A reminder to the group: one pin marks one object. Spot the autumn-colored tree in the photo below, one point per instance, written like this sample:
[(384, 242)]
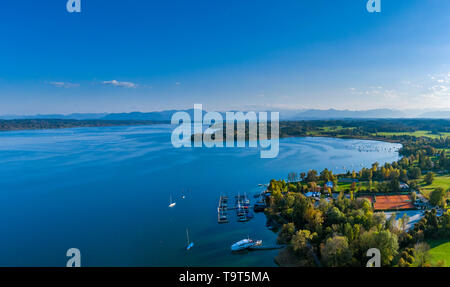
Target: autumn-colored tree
[(336, 252), (429, 178)]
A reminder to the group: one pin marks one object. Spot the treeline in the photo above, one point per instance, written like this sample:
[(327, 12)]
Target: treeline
[(411, 145), (32, 124), (366, 129), (363, 128)]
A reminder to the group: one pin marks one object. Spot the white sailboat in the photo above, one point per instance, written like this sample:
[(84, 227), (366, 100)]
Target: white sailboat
[(171, 204), (189, 244)]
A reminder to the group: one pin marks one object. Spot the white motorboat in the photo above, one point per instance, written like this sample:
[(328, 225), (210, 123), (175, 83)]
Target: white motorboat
[(245, 244)]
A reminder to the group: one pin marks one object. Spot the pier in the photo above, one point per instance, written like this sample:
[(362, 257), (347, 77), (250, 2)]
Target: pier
[(241, 207), (222, 210), (267, 247)]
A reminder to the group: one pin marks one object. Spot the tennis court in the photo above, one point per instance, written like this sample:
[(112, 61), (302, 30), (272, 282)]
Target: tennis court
[(391, 202)]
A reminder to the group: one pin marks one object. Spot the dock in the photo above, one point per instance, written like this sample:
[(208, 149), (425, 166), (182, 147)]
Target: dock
[(222, 210), (241, 207), (267, 247)]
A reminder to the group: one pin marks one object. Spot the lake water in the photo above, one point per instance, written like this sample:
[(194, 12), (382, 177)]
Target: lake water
[(106, 192)]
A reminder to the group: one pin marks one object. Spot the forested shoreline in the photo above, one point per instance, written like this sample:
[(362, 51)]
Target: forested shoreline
[(40, 124)]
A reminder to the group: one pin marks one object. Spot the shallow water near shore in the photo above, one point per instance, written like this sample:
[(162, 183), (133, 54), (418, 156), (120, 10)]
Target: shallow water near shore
[(106, 192)]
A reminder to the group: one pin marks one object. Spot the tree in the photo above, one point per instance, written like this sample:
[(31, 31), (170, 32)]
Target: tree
[(404, 221), (312, 176), (422, 255), (335, 216), (336, 252), (437, 196), (394, 185), (384, 240), (302, 176), (314, 219), (326, 175), (429, 178), (300, 241), (413, 196), (413, 185), (414, 173), (406, 258), (425, 163), (379, 219), (313, 186), (286, 233), (353, 186)]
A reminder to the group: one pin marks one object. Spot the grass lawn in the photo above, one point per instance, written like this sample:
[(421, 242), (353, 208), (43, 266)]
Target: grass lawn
[(342, 186), (439, 181), (415, 134), (440, 251)]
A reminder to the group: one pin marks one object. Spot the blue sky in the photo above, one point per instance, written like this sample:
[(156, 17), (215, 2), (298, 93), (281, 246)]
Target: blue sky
[(134, 55)]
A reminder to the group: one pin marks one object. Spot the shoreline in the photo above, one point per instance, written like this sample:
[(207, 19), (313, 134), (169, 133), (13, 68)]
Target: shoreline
[(56, 124)]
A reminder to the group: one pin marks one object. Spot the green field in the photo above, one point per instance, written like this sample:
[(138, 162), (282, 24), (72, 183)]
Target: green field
[(415, 134), (342, 186), (440, 251), (439, 181)]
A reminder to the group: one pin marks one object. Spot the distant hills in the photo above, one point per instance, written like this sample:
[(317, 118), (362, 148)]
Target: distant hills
[(150, 116), (310, 114), (345, 114), (78, 116), (436, 115)]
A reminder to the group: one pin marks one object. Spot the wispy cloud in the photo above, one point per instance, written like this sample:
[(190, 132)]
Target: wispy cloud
[(438, 93), (116, 83), (64, 84)]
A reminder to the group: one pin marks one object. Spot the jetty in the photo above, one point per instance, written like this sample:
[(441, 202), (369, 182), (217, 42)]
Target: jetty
[(222, 210), (241, 207), (267, 247)]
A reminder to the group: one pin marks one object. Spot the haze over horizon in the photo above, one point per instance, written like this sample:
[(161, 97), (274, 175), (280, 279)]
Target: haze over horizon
[(140, 56)]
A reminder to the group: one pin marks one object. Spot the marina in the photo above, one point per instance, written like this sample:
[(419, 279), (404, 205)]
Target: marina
[(242, 209)]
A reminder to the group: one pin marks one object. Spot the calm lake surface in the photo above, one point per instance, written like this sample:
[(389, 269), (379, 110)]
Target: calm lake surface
[(106, 192)]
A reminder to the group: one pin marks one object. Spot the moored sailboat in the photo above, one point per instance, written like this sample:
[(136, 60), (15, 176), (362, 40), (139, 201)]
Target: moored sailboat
[(171, 204), (189, 244)]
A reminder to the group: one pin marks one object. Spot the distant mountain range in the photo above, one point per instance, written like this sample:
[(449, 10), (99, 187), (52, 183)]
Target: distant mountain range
[(346, 114), (150, 116), (311, 114), (436, 115), (78, 116)]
